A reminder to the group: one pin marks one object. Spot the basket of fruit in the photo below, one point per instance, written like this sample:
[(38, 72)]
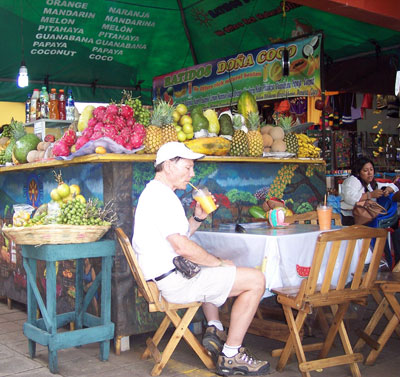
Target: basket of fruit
[(68, 218), (55, 234)]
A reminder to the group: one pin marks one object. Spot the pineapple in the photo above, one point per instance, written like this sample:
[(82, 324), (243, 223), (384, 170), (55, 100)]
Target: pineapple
[(254, 136), (168, 130), (292, 144), (240, 143), (153, 140)]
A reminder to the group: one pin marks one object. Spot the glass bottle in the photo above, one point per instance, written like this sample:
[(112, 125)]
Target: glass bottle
[(44, 103), (34, 102), (28, 109), (70, 106), (53, 105)]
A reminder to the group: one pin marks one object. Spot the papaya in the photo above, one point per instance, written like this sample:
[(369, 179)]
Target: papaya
[(87, 114), (225, 123), (298, 66), (247, 103), (211, 146), (213, 122)]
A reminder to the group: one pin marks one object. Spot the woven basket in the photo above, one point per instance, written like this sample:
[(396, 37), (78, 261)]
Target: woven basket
[(55, 234)]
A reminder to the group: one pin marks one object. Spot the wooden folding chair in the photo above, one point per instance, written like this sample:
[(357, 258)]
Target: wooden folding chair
[(311, 217), (310, 295), (157, 303), (387, 283)]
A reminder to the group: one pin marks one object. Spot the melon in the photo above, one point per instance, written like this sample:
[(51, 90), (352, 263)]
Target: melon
[(266, 129), (278, 146), (277, 133), (267, 140), (24, 145)]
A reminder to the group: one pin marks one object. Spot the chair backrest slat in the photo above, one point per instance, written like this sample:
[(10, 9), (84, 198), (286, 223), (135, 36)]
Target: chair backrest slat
[(344, 272), (330, 243), (134, 265)]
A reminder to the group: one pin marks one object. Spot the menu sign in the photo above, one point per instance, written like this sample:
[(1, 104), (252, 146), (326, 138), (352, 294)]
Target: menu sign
[(219, 82)]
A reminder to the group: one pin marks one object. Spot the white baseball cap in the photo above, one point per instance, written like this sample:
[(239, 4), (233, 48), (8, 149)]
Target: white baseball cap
[(174, 149)]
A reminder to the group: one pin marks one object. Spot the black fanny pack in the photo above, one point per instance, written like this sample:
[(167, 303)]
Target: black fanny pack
[(187, 268)]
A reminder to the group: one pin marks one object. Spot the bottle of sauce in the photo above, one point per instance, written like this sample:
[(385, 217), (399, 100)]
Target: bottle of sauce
[(34, 102), (53, 105), (28, 109), (61, 104)]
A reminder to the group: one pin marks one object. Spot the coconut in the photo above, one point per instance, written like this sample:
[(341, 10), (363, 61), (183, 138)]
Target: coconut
[(32, 155), (277, 133), (278, 146), (267, 149), (267, 140), (265, 129)]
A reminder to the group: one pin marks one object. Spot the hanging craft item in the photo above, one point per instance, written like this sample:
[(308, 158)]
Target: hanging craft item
[(366, 103), (283, 107), (285, 62), (393, 105), (355, 111)]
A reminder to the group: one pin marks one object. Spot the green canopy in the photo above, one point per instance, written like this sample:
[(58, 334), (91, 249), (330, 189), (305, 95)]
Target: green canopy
[(99, 47)]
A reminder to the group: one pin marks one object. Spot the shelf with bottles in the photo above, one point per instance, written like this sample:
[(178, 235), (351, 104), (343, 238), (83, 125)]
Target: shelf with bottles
[(41, 126)]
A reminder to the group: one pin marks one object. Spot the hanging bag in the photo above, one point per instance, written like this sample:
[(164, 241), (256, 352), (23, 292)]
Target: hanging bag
[(367, 210)]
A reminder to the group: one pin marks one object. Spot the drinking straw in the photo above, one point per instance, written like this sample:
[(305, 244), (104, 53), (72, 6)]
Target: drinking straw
[(325, 200), (194, 186)]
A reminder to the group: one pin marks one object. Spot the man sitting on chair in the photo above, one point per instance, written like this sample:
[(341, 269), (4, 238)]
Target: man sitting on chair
[(162, 232)]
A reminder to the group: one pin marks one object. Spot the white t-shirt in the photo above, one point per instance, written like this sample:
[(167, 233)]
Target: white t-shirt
[(352, 189), (159, 213)]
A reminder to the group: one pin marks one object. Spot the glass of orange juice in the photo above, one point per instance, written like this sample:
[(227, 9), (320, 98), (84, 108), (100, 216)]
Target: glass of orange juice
[(204, 197), (324, 216)]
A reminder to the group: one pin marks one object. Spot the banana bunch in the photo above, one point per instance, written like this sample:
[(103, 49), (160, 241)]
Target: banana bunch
[(307, 147)]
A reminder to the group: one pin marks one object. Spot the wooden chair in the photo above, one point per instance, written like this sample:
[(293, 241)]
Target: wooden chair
[(158, 304), (387, 283), (310, 295), (311, 217)]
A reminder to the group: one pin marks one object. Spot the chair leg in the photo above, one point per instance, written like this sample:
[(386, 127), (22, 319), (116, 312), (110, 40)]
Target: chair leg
[(388, 313), (157, 337), (293, 340), (376, 317)]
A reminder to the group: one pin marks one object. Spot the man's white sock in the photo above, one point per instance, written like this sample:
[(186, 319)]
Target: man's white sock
[(230, 351), (217, 324)]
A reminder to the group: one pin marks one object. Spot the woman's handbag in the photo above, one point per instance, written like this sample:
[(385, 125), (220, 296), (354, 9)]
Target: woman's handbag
[(367, 210), (187, 268)]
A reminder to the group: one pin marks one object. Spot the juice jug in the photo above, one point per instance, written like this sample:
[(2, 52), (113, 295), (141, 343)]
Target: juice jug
[(61, 104), (53, 105)]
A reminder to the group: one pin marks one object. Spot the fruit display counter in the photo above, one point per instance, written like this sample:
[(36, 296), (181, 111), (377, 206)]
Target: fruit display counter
[(238, 183)]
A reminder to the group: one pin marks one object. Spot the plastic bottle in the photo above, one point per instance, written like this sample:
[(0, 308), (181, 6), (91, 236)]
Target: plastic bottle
[(53, 105), (61, 104), (70, 107), (44, 103), (28, 109), (34, 102)]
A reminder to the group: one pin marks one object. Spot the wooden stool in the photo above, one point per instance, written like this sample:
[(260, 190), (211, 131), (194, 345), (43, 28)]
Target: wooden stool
[(89, 328)]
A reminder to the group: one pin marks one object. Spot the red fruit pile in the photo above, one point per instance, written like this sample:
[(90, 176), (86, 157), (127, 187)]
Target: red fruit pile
[(63, 146), (115, 122)]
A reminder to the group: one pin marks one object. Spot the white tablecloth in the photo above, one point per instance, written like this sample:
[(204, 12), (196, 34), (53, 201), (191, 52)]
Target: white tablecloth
[(284, 255)]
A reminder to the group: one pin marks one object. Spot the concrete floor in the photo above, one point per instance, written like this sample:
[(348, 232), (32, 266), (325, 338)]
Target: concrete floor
[(83, 361)]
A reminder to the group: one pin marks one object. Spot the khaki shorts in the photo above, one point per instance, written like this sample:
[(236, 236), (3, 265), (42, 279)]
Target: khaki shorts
[(211, 284)]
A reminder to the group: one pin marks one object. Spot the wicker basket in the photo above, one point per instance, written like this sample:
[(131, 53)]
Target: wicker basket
[(55, 234)]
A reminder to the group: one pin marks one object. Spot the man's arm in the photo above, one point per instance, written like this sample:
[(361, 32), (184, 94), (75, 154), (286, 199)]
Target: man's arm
[(194, 252)]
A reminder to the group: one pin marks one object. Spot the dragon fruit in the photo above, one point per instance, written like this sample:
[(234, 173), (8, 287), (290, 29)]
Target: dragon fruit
[(88, 132), (96, 135), (119, 123), (140, 129), (99, 113), (126, 112), (99, 127), (109, 118), (69, 137), (112, 110), (136, 141), (110, 132), (60, 148), (82, 140), (130, 122), (91, 123)]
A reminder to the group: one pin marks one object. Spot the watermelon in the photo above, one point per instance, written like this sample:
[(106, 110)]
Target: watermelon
[(24, 145)]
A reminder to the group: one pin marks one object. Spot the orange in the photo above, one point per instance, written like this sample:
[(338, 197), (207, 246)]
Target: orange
[(100, 150)]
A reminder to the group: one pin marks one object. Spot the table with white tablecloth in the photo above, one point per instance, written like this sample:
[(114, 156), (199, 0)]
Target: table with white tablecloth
[(283, 254)]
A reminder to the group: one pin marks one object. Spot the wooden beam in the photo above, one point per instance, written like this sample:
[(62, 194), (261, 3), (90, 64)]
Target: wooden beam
[(383, 13)]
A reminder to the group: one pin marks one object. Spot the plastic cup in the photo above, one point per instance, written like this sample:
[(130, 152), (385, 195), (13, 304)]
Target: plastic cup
[(324, 217), (204, 197)]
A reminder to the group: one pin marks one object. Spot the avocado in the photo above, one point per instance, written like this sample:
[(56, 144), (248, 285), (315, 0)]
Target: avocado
[(225, 122), (199, 122), (198, 109), (24, 145)]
